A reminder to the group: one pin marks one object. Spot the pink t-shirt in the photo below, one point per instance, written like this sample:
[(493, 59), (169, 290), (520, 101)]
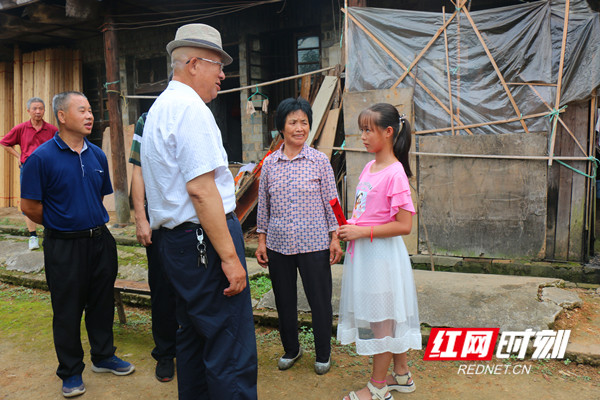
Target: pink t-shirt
[(380, 195)]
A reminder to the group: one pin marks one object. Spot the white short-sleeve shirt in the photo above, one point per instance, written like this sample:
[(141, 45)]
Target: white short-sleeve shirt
[(181, 141)]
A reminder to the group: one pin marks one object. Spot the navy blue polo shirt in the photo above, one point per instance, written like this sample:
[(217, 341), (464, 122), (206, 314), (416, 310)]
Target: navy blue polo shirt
[(69, 185)]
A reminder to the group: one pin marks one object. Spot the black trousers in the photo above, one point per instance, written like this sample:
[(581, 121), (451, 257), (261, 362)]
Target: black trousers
[(315, 272), (81, 276), (216, 344), (164, 321)]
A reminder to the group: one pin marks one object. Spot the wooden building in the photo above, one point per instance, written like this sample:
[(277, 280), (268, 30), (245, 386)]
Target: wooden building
[(511, 207)]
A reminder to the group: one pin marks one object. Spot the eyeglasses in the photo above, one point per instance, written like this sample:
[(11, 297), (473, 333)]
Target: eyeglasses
[(220, 64)]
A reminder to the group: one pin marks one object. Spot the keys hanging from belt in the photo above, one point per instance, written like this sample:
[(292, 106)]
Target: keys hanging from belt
[(201, 246)]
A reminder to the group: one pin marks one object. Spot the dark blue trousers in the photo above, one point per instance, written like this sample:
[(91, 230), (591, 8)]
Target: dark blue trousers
[(315, 273), (216, 344), (81, 276), (164, 321)]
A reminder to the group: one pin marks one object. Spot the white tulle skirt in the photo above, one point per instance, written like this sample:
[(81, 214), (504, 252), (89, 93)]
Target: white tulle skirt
[(378, 304)]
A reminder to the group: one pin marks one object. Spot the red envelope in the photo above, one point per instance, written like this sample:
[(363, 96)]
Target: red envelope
[(337, 211)]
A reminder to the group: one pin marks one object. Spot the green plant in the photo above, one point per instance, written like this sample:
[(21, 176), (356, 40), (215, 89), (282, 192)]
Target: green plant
[(307, 339), (259, 286)]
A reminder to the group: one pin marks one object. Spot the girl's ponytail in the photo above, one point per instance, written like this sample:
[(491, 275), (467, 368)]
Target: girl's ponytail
[(402, 142)]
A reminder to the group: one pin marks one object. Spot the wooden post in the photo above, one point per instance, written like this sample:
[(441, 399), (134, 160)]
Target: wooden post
[(116, 124)]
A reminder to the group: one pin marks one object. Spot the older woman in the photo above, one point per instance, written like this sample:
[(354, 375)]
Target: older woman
[(296, 231)]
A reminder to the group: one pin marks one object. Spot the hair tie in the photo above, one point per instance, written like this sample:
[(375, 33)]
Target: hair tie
[(402, 118)]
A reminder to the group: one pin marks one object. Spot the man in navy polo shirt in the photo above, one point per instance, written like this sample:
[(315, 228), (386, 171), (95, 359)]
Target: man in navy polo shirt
[(64, 182)]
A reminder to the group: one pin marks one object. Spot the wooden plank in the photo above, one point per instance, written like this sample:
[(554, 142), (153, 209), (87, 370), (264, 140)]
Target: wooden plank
[(353, 104), (18, 86), (329, 130), (5, 126), (577, 229), (48, 81), (16, 111), (28, 82), (321, 106), (477, 207), (565, 147), (39, 81)]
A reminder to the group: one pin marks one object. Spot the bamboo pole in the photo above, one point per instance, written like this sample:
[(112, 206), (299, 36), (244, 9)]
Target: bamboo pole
[(448, 71), (249, 86), (505, 121), (401, 64), (487, 51), (530, 83), (561, 122), (457, 64), (559, 82), (591, 186), (485, 156), (433, 39), (501, 157), (345, 54)]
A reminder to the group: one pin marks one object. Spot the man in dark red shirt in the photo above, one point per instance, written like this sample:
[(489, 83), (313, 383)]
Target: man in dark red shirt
[(29, 135)]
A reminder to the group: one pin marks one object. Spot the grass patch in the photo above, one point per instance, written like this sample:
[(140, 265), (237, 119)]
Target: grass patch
[(259, 286), (130, 255)]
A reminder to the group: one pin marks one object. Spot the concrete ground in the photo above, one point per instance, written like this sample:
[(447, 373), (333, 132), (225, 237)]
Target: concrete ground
[(446, 299)]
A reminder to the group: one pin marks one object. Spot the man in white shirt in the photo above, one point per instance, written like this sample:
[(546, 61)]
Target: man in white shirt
[(191, 198)]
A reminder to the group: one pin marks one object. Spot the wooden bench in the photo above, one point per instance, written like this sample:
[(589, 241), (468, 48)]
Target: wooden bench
[(125, 286)]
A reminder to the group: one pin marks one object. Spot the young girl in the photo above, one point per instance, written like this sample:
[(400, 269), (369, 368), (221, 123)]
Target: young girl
[(378, 306)]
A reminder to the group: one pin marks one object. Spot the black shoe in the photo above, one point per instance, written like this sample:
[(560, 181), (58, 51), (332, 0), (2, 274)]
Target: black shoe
[(165, 370)]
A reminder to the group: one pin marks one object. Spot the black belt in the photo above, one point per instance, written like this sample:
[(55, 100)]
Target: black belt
[(86, 233), (193, 225)]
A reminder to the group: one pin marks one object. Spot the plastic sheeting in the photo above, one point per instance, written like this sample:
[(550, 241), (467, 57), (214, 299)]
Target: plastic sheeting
[(524, 40)]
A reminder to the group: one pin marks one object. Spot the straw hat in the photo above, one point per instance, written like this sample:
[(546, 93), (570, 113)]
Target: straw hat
[(199, 35)]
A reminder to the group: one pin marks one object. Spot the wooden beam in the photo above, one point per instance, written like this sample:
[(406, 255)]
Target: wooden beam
[(116, 124)]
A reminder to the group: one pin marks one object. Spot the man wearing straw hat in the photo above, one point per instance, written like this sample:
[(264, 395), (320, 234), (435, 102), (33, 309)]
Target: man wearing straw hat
[(191, 199)]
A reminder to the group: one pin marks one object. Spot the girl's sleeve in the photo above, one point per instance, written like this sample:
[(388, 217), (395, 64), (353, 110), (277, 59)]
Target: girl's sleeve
[(399, 194)]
